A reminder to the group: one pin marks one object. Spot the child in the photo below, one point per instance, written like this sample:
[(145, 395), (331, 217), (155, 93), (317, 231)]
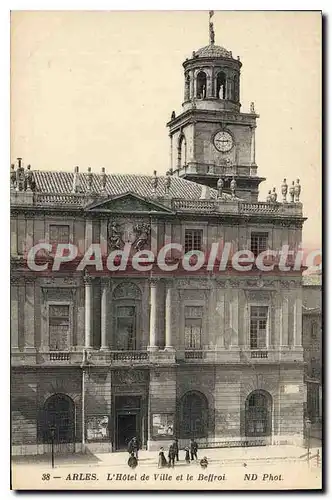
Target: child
[(162, 462), (132, 460)]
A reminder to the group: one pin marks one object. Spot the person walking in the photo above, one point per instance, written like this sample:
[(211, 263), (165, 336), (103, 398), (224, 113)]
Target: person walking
[(162, 462), (133, 447), (193, 449), (171, 456), (176, 448), (187, 457)]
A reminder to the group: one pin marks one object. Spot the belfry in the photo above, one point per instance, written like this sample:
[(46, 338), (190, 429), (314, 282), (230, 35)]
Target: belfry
[(212, 138)]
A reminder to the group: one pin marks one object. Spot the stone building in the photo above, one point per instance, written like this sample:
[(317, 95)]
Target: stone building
[(99, 356), (312, 346)]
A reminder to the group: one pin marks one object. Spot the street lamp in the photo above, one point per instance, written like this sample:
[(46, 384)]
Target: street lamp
[(308, 432), (52, 430)]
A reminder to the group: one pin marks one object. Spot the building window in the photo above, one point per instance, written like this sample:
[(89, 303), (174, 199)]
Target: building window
[(315, 369), (59, 327), (258, 243), (314, 330), (193, 327), (193, 415), (59, 233), (258, 414), (258, 326), (193, 240), (125, 328)]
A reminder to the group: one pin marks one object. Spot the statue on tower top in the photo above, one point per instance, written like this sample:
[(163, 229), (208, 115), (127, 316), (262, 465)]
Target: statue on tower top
[(211, 29)]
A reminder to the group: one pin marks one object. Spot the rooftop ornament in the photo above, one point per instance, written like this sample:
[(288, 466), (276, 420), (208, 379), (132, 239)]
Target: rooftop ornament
[(220, 185), (21, 180), (211, 28), (297, 191), (233, 187), (89, 180), (103, 181), (154, 182), (284, 191)]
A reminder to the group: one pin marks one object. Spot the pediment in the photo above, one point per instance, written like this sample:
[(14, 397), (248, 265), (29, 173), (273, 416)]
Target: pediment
[(128, 203)]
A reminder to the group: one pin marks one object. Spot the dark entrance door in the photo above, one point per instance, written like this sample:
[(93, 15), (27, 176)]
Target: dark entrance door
[(59, 414), (128, 420), (127, 429)]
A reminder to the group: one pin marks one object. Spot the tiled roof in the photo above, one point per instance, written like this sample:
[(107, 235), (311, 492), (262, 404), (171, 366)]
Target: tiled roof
[(213, 51), (312, 280), (62, 183)]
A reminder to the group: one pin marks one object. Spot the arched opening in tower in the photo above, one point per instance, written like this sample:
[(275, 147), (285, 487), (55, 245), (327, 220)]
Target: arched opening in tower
[(201, 85), (221, 85), (182, 152)]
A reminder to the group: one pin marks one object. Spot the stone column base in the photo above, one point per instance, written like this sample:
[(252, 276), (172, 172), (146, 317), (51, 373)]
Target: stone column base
[(152, 348)]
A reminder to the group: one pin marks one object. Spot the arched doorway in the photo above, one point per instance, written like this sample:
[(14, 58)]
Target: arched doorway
[(193, 415), (258, 413), (221, 86), (201, 85), (59, 416)]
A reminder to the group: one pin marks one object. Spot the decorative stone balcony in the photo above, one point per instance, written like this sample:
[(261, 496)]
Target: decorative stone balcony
[(213, 170), (92, 358), (233, 355), (239, 355), (238, 207), (129, 356)]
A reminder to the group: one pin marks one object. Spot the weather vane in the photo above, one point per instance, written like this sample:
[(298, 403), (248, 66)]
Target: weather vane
[(211, 29)]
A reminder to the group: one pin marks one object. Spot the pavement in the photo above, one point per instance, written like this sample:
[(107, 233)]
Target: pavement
[(229, 469), (221, 456)]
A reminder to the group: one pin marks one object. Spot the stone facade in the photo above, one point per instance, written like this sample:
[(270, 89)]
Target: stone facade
[(99, 356), (312, 348)]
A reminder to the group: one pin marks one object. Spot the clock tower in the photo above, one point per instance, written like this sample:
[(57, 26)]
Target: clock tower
[(211, 139)]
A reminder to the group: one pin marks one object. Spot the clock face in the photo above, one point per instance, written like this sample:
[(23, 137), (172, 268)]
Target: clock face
[(223, 141)]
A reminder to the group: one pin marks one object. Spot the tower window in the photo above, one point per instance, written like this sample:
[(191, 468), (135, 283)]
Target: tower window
[(201, 85), (182, 152), (221, 86)]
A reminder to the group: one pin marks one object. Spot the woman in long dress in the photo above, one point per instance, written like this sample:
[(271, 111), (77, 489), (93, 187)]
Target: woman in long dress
[(162, 462)]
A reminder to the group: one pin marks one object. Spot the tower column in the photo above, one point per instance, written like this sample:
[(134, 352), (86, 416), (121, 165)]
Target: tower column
[(253, 146), (192, 84), (209, 92)]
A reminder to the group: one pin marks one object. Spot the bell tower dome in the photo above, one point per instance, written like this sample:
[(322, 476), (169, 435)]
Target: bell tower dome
[(211, 139)]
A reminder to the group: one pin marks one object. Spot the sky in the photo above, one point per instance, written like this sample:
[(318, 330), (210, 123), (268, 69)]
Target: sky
[(96, 88)]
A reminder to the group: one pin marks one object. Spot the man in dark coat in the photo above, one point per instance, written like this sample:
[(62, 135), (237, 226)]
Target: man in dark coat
[(176, 449), (171, 456), (193, 449), (133, 447)]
